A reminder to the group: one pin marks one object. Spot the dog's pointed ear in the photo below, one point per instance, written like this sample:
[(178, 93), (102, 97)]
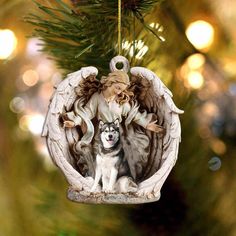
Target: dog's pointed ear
[(117, 123), (101, 123)]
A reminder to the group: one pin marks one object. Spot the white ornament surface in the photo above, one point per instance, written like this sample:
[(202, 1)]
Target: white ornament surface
[(163, 149)]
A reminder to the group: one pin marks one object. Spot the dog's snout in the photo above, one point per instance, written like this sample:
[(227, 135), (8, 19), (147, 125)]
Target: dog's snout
[(110, 136)]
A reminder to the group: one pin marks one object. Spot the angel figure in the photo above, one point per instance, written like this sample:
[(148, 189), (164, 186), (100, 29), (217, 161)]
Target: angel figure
[(132, 119), (111, 101)]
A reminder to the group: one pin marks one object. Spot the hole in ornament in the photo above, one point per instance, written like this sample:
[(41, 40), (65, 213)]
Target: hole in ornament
[(119, 65)]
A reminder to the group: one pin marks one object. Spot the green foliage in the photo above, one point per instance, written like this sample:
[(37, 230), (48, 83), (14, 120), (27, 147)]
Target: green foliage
[(87, 33)]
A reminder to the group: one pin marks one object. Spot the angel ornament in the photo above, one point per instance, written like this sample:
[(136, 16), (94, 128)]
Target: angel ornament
[(115, 139)]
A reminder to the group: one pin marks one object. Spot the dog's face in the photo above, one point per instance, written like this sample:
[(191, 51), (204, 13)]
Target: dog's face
[(109, 133)]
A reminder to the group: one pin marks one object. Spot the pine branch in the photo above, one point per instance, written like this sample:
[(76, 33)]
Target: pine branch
[(85, 33)]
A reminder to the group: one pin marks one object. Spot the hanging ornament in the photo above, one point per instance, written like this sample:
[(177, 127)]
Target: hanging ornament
[(115, 139)]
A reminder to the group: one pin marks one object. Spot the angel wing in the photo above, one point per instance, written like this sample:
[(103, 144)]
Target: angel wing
[(58, 139), (164, 151)]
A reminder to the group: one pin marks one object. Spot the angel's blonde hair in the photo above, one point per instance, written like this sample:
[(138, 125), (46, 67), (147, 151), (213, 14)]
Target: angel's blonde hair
[(115, 77), (91, 84)]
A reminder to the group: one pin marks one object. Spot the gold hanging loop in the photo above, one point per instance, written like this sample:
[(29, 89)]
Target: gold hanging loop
[(119, 27)]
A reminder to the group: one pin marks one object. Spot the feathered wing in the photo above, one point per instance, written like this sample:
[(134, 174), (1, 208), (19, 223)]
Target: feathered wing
[(58, 138), (164, 150)]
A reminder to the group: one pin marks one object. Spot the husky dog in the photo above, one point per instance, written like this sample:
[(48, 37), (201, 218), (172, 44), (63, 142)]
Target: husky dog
[(110, 162)]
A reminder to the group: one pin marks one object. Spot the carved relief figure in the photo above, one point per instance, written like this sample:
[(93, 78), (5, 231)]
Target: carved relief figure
[(111, 101), (115, 139)]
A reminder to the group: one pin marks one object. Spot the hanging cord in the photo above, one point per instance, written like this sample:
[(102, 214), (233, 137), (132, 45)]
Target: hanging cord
[(119, 27), (134, 49)]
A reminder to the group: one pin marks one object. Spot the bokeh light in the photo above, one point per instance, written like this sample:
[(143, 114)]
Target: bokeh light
[(45, 69), (162, 38), (142, 51), (35, 124), (17, 105), (32, 123), (218, 146), (23, 122), (30, 77), (192, 71), (34, 45), (140, 48), (8, 43), (45, 91), (214, 163), (204, 132), (156, 26), (210, 109), (201, 34), (195, 61), (195, 79)]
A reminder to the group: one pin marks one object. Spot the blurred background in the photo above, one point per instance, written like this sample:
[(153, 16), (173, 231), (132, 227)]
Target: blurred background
[(195, 56)]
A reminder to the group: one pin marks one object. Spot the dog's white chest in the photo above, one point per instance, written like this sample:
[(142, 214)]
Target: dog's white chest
[(107, 162)]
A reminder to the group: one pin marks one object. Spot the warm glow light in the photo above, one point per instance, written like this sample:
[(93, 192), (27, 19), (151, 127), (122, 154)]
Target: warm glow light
[(195, 61), (32, 123), (139, 44), (45, 69), (30, 77), (140, 48), (210, 109), (46, 90), (201, 34), (195, 79), (156, 26), (142, 52), (204, 132), (162, 38), (218, 146), (8, 43), (23, 122), (126, 45), (35, 124), (152, 25)]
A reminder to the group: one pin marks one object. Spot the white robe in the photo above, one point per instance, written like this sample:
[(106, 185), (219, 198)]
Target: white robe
[(136, 142), (98, 107)]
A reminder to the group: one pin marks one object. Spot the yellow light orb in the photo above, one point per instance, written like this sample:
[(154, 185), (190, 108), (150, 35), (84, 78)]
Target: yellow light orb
[(195, 61), (8, 43), (201, 34), (32, 123), (30, 77), (35, 124), (195, 79), (23, 122), (218, 146)]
